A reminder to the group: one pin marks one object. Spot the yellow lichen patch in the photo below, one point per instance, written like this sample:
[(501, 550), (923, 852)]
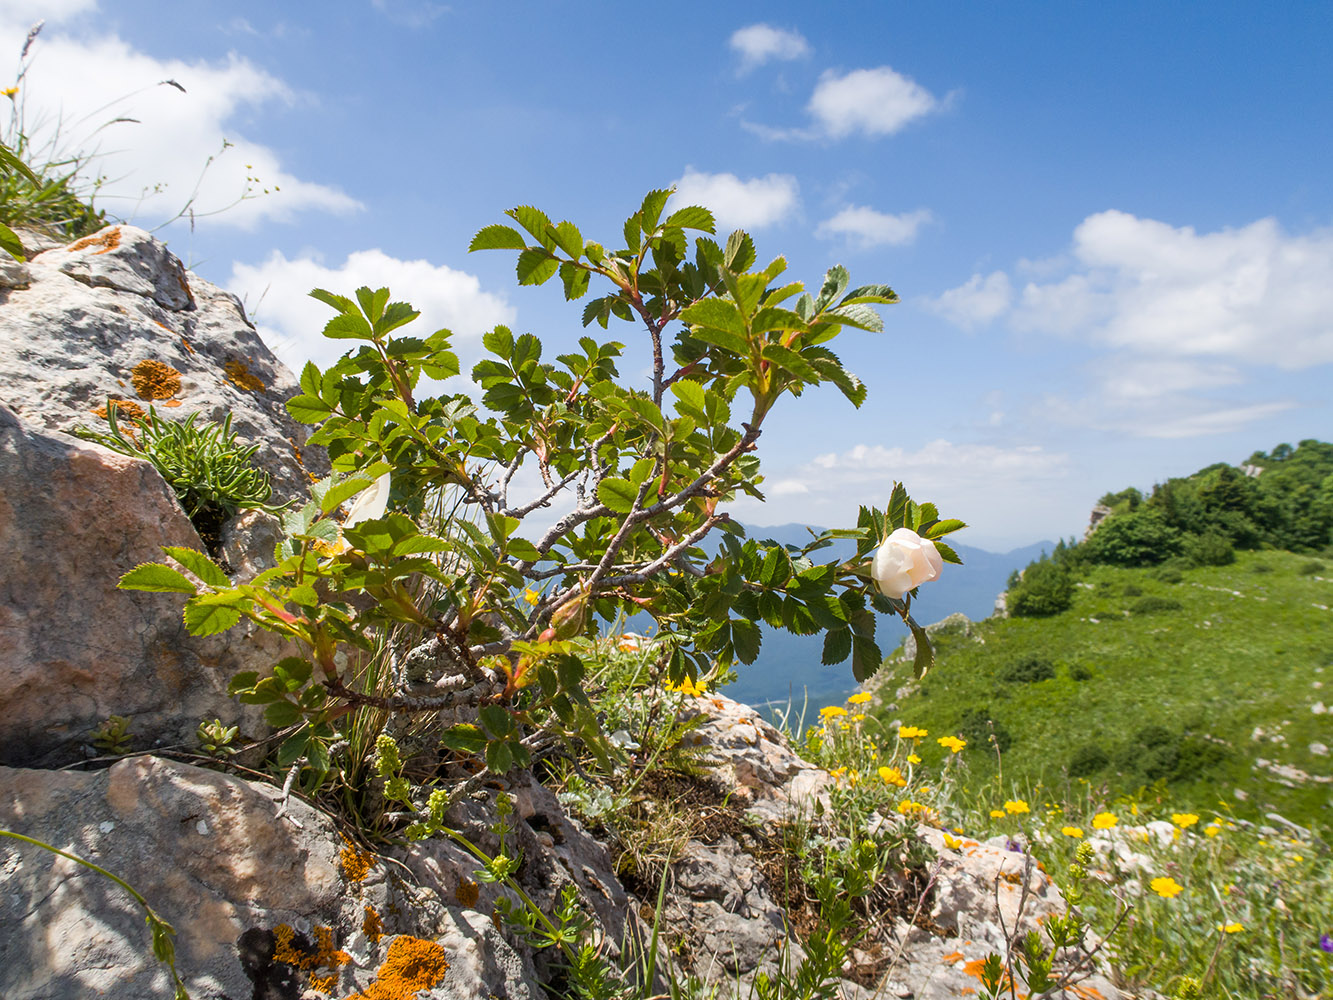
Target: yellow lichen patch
[(323, 955), (186, 344), (126, 409), (356, 864), (413, 964), (108, 240), (467, 893), (372, 926), (239, 375), (155, 380)]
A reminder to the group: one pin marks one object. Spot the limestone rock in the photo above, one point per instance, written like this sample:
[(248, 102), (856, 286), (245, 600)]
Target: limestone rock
[(74, 517), (96, 310)]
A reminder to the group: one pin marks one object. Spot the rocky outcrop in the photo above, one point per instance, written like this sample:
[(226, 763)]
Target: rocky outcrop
[(74, 517), (117, 315)]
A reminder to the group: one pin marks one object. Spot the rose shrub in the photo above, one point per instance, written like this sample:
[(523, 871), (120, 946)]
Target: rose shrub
[(904, 561)]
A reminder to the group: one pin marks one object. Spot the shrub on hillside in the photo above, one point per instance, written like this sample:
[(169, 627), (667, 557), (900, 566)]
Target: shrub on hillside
[(1212, 548), (1132, 590), (978, 727), (1080, 672), (1087, 760), (1170, 574), (1152, 604), (1310, 568), (1046, 589), (1137, 538), (1027, 670)]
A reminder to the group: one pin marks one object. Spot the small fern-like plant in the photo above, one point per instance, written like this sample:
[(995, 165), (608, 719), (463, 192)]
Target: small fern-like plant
[(211, 474)]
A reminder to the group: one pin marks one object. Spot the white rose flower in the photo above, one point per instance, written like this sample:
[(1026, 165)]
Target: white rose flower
[(905, 560), (369, 504)]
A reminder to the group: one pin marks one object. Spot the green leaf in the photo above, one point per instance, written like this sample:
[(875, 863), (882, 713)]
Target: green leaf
[(10, 160), (739, 253), (534, 220), (651, 210), (157, 578), (925, 653), (717, 314), (335, 496), (396, 315), (282, 714), (372, 303), (203, 618), (692, 397), (861, 317), (307, 409), (199, 564), (348, 326), (567, 237), (746, 638), (10, 243), (944, 527), (693, 217), (575, 279), (837, 646), (866, 658), (464, 738), (836, 279), (947, 553), (340, 302), (789, 360), (618, 494), (535, 266), (243, 681), (497, 237), (499, 757)]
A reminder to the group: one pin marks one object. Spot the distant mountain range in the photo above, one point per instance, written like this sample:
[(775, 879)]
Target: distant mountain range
[(788, 666)]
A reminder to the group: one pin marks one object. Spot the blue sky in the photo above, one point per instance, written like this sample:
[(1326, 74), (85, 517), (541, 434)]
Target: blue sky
[(1111, 225)]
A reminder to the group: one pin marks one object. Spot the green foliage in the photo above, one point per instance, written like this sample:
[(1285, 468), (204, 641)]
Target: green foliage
[(211, 474), (1046, 588), (1087, 760), (215, 739), (1153, 604), (1028, 669), (1212, 548), (1137, 538), (979, 727), (113, 737), (645, 471)]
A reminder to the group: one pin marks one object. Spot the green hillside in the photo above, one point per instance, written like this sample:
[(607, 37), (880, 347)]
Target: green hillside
[(1173, 648)]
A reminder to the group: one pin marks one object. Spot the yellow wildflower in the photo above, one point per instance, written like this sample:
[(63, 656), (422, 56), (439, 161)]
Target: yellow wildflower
[(911, 732), (1015, 806), (893, 776), (997, 814), (10, 92), (951, 743), (531, 596), (858, 717), (1212, 830), (687, 686), (831, 711), (860, 698), (1231, 928), (913, 759), (952, 843), (1184, 820), (1166, 887), (1072, 831), (1104, 821)]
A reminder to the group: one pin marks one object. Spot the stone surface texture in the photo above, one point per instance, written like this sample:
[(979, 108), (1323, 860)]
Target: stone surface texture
[(79, 318), (74, 517)]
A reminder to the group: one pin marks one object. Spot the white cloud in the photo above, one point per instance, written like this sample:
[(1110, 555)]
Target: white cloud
[(976, 302), (1254, 294), (1135, 380), (760, 43), (1218, 421), (865, 228), (941, 462), (739, 204), (153, 165), (410, 13), (875, 102), (28, 12), (276, 294)]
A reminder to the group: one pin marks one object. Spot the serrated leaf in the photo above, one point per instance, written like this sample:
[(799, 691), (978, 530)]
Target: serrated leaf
[(157, 578), (340, 302), (307, 409), (944, 527), (860, 316), (691, 396), (717, 314), (395, 315), (866, 658), (837, 646), (464, 738), (925, 653), (282, 714), (739, 253), (203, 618), (651, 209), (947, 553), (335, 496), (10, 243), (535, 221), (693, 217), (199, 564), (372, 302), (575, 279), (746, 639), (567, 237), (497, 237), (618, 494), (348, 326), (535, 266)]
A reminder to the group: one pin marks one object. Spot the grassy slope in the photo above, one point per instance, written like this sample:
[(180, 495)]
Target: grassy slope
[(1218, 668)]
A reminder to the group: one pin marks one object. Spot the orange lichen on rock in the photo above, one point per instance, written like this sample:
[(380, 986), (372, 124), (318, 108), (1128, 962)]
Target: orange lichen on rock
[(126, 409), (413, 964), (950, 958), (1086, 992), (239, 375), (974, 967), (467, 893), (155, 380), (322, 955), (186, 344), (108, 239), (372, 926), (356, 864)]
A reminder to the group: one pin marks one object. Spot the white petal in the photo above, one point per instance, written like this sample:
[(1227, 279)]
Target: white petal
[(370, 503)]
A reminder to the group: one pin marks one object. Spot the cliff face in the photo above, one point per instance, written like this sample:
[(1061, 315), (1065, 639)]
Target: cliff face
[(270, 897)]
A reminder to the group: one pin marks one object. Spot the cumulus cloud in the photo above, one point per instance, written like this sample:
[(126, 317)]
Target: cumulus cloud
[(976, 302), (865, 228), (1254, 294), (739, 204), (276, 293), (155, 165), (872, 102), (761, 43)]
